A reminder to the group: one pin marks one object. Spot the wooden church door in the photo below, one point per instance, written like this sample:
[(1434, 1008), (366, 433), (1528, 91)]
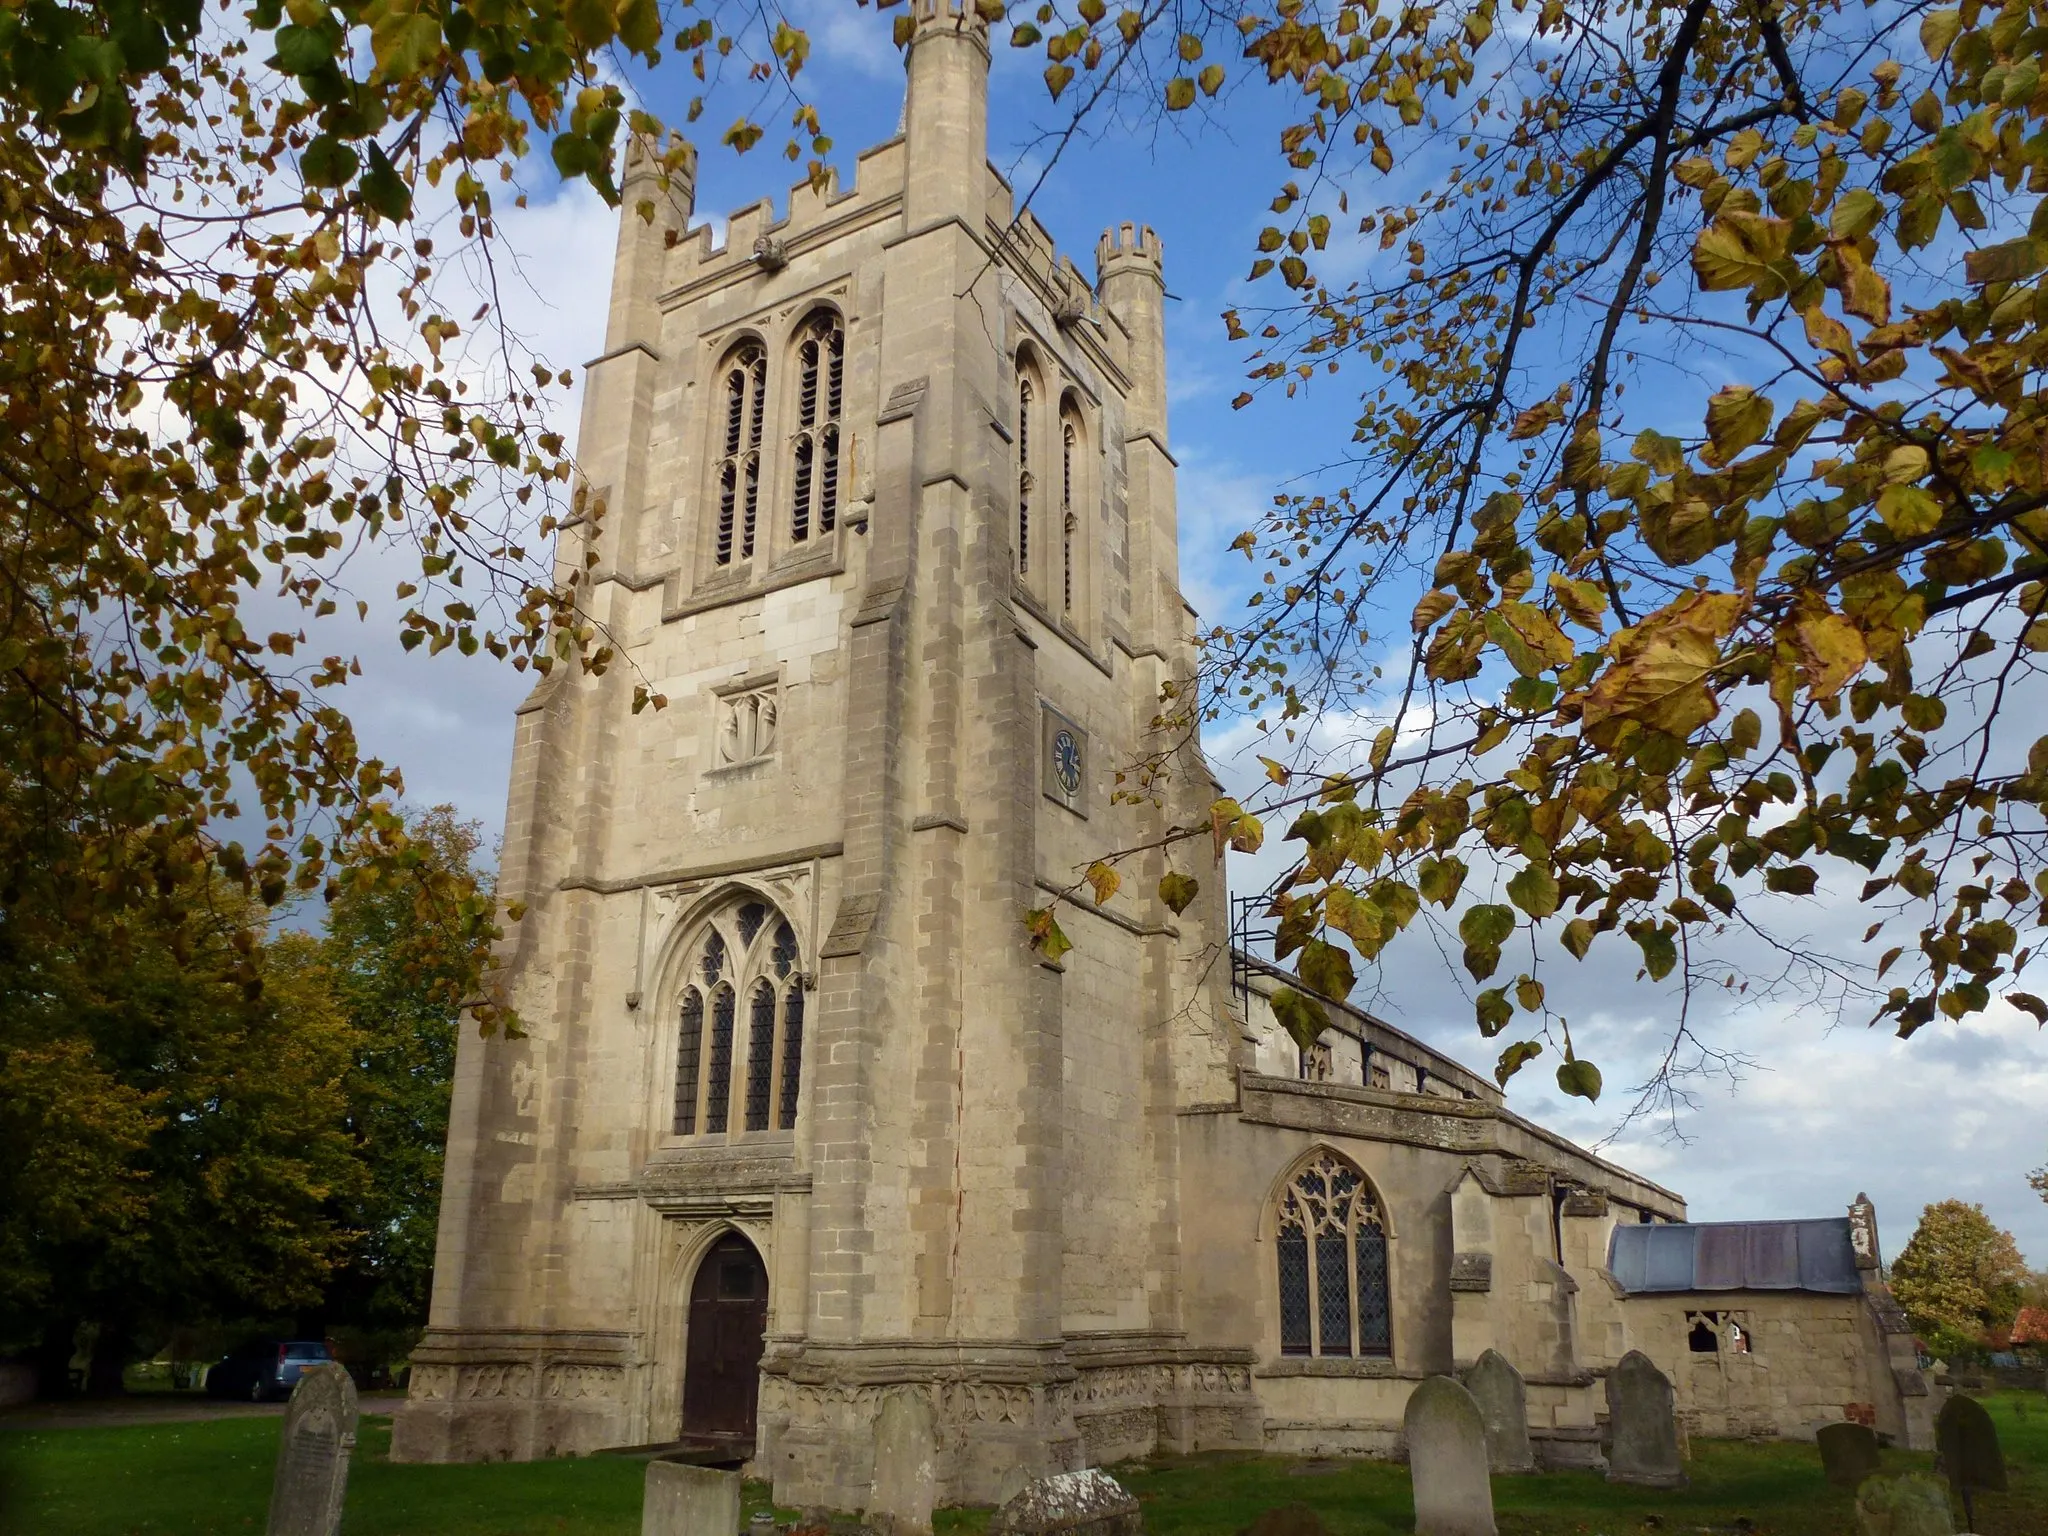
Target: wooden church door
[(728, 1321)]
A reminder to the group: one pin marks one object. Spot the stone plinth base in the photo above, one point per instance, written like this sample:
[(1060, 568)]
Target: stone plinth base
[(513, 1396)]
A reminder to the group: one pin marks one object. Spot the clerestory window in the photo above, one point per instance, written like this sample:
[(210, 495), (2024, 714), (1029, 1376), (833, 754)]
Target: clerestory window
[(744, 391), (740, 1042), (1332, 1248), (820, 391)]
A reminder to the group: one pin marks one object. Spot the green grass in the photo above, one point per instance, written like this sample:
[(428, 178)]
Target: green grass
[(207, 1478)]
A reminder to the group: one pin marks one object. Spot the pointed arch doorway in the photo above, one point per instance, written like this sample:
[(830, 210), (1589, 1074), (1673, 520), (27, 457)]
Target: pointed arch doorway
[(728, 1322)]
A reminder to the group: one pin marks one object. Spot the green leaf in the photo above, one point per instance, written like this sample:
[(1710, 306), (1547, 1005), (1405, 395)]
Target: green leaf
[(590, 22), (301, 50), (1937, 30), (1578, 937), (639, 23), (1440, 879), (1046, 936), (1534, 890), (1494, 1011), (327, 162), (1178, 891), (404, 44), (1737, 417), (1487, 924), (1660, 953), (1908, 511), (1514, 1058), (1793, 879), (1855, 213), (1326, 969), (383, 189), (1302, 1017), (1529, 993), (1580, 1079)]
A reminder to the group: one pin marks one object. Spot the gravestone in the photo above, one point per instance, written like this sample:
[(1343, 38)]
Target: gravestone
[(906, 1465), (1496, 1386), (682, 1500), (1090, 1503), (1642, 1426), (1912, 1504), (1966, 1451), (1848, 1453), (312, 1457), (1447, 1461), (1289, 1520)]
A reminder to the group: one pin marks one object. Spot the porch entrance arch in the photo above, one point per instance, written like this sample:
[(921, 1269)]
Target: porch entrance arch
[(728, 1324)]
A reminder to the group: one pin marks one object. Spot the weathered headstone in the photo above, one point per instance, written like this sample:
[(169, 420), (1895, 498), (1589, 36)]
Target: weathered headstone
[(906, 1465), (1911, 1504), (1090, 1503), (1447, 1461), (1642, 1425), (312, 1457), (1288, 1520), (1967, 1453), (682, 1500), (1496, 1386), (1848, 1453)]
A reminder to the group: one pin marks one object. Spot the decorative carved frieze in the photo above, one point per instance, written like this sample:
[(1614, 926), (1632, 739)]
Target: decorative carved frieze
[(1471, 1271)]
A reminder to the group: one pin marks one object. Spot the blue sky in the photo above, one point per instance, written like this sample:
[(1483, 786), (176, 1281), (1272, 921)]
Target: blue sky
[(1824, 1108)]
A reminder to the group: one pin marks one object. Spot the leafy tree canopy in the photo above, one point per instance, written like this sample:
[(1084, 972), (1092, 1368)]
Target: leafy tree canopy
[(1958, 1276)]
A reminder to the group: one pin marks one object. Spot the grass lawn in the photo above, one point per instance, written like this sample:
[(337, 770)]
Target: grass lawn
[(199, 1479)]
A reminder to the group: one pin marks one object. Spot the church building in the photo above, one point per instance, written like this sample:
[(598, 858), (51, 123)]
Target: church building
[(798, 1118)]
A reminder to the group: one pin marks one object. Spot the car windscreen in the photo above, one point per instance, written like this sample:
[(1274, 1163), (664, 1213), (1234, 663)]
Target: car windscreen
[(306, 1352)]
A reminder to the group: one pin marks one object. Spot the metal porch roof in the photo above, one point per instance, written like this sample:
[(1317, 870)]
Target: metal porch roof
[(1735, 1256)]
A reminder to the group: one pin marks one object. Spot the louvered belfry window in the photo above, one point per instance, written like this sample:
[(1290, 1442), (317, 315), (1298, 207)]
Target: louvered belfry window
[(820, 393), (1070, 443), (745, 390), (1332, 1252), (1024, 404), (739, 1050)]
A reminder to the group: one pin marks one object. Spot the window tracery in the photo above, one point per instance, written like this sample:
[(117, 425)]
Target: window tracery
[(746, 726), (734, 1067), (1332, 1255), (739, 464), (821, 366)]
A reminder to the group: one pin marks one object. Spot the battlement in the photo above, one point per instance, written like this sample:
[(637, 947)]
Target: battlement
[(959, 14), (643, 160), (1128, 246)]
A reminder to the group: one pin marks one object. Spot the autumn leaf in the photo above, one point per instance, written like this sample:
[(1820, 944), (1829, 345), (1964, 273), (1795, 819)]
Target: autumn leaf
[(1178, 891), (1104, 880)]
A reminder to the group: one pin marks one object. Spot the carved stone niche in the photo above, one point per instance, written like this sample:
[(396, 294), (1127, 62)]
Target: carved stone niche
[(749, 714)]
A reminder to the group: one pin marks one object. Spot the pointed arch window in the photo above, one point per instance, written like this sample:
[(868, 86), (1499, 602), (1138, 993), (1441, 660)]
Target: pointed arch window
[(1332, 1252), (1025, 402), (814, 474), (740, 1026), (744, 395)]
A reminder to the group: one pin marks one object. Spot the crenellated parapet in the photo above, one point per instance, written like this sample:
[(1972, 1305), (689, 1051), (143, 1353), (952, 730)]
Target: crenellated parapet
[(956, 16), (1129, 249)]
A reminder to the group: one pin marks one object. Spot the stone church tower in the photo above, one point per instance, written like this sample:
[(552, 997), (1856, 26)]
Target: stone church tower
[(799, 1120), (890, 522)]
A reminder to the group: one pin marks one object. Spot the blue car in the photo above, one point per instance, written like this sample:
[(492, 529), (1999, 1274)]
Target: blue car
[(265, 1369)]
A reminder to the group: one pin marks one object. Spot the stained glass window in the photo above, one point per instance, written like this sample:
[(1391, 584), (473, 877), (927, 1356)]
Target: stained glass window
[(1332, 1250), (792, 1052), (760, 1056), (689, 1050), (718, 1094), (741, 1025)]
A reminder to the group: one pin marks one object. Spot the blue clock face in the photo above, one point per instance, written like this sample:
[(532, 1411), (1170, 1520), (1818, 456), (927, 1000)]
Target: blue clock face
[(1066, 762)]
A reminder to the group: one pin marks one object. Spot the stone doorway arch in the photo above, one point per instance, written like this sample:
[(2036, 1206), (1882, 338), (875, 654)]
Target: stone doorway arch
[(727, 1333)]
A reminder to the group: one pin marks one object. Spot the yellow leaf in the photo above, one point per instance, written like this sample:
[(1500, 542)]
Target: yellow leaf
[(1865, 294), (1433, 606), (1529, 638), (1536, 420), (1737, 249), (1908, 511), (1831, 652), (1180, 93), (1660, 674), (1737, 416), (1277, 772), (1104, 879)]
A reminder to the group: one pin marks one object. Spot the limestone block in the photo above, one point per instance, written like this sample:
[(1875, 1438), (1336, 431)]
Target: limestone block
[(689, 1501)]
